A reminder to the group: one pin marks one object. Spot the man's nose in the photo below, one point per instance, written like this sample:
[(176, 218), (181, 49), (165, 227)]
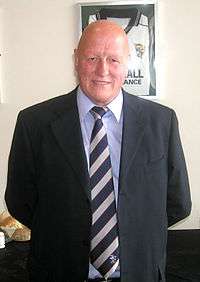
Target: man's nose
[(102, 67)]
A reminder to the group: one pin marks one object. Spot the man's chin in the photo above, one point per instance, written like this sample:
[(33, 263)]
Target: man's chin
[(102, 98)]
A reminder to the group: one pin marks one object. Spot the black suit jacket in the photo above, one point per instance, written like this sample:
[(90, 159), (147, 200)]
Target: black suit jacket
[(48, 188)]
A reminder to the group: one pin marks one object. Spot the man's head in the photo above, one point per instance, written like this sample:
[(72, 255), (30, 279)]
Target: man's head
[(101, 61)]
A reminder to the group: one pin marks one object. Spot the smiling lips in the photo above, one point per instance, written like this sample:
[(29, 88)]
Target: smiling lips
[(101, 82)]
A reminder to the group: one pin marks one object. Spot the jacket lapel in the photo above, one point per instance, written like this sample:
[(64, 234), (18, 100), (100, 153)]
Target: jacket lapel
[(67, 131), (133, 131)]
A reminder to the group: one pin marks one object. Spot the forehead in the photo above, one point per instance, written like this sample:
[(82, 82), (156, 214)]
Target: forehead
[(102, 43)]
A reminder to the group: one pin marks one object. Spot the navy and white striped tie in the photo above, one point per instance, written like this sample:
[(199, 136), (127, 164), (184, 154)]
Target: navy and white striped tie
[(104, 253)]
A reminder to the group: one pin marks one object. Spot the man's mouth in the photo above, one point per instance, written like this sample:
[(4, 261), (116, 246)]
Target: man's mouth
[(101, 82)]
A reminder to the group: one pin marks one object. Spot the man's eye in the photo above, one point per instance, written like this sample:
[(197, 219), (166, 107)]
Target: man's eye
[(113, 60), (92, 59)]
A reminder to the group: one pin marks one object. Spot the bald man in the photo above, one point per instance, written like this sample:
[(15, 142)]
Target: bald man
[(98, 174)]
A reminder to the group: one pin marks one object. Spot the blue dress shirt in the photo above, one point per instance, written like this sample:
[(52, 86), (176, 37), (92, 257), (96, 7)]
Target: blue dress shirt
[(112, 121)]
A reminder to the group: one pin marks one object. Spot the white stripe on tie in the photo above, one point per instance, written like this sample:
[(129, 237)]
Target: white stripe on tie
[(110, 224), (99, 161), (106, 203), (100, 185), (97, 139), (106, 253)]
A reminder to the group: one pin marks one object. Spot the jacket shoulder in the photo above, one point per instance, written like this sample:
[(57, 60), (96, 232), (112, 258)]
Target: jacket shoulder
[(49, 109), (150, 109)]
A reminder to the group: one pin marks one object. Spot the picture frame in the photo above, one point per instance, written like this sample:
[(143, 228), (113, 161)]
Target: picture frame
[(138, 20)]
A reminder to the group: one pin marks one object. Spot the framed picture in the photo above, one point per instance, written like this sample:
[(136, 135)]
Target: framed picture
[(138, 20)]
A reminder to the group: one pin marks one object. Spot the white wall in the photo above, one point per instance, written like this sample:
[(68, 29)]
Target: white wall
[(37, 42)]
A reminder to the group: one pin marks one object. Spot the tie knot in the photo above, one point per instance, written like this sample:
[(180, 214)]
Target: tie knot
[(98, 112)]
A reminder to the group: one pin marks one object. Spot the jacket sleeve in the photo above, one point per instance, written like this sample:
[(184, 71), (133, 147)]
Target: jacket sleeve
[(178, 196), (21, 193)]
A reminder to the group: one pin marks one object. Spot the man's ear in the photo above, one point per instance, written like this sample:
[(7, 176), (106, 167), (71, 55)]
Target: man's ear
[(75, 58)]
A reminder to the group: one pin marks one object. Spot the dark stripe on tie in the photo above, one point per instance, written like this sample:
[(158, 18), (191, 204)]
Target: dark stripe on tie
[(104, 193), (105, 267), (103, 245), (96, 129), (110, 234), (100, 172), (100, 146), (103, 219)]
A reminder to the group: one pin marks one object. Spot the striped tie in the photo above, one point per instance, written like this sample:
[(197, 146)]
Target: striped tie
[(104, 253)]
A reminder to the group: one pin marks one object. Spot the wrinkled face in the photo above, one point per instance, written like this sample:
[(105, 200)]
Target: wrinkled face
[(101, 64)]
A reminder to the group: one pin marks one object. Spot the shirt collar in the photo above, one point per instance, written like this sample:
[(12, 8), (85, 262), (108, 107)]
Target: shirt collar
[(85, 104)]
